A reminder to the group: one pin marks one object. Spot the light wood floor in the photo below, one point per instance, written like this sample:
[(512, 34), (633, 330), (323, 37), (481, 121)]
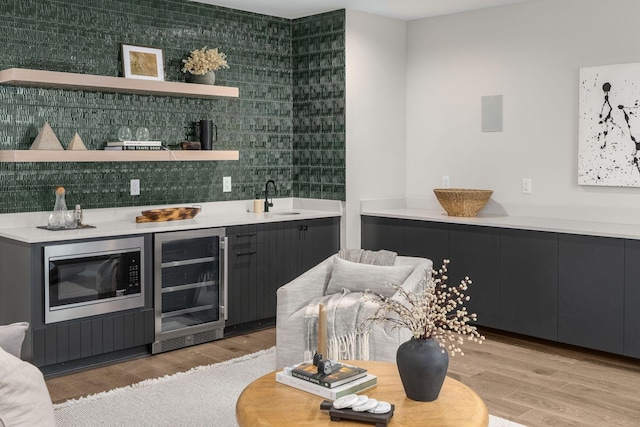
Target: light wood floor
[(525, 381)]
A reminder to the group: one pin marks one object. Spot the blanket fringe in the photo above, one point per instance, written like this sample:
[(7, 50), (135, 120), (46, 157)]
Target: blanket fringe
[(354, 346)]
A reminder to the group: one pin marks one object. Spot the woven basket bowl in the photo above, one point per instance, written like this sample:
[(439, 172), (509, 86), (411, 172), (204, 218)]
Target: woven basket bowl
[(462, 201)]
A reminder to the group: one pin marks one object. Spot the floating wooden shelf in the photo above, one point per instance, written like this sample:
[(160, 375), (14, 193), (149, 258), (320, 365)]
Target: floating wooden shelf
[(89, 82), (116, 156)]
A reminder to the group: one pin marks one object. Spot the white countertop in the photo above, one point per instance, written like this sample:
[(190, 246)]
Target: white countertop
[(396, 208), (121, 221)]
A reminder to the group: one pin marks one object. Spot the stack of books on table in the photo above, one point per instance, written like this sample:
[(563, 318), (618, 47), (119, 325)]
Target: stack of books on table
[(347, 379), (134, 145)]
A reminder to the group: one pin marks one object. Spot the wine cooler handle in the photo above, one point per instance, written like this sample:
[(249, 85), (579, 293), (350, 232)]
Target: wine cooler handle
[(225, 276)]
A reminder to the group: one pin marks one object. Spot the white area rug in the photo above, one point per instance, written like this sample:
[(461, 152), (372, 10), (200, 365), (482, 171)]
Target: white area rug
[(202, 396)]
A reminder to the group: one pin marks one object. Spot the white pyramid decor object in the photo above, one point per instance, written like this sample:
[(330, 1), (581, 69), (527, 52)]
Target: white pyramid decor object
[(46, 140), (76, 143)]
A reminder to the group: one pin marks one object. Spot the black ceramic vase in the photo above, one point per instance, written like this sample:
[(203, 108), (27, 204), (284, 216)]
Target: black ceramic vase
[(422, 365)]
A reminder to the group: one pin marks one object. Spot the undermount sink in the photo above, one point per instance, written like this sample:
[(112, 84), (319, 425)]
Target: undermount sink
[(284, 213)]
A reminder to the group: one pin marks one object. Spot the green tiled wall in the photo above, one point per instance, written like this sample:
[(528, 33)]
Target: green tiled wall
[(319, 106), (288, 123)]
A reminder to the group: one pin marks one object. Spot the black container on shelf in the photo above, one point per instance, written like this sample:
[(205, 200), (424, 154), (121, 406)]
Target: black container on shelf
[(207, 131)]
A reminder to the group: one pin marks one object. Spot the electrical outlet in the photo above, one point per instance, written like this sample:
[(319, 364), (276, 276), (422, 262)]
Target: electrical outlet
[(526, 185), (134, 187), (446, 183), (226, 184)]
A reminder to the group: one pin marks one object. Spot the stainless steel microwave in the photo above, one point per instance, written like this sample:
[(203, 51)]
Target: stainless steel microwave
[(90, 278)]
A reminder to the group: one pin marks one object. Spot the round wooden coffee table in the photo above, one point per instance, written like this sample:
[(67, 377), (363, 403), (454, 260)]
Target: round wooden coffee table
[(266, 402)]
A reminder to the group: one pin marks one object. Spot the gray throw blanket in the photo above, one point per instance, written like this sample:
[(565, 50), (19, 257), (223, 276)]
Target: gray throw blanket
[(346, 336), (363, 256)]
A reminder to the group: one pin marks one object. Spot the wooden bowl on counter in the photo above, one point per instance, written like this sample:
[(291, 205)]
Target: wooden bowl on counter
[(168, 214), (462, 201)]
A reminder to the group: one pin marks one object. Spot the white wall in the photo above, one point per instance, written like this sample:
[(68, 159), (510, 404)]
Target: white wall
[(375, 113), (531, 54)]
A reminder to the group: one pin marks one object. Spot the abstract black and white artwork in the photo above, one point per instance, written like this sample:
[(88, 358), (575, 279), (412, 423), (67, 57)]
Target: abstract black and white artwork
[(609, 126)]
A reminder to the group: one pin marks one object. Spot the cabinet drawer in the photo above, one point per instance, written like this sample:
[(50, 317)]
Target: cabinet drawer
[(246, 235)]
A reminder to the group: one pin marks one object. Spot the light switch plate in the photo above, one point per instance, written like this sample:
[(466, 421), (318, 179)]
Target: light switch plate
[(226, 184), (134, 187)]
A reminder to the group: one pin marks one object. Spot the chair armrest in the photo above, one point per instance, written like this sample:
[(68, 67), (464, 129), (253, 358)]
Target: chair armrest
[(291, 328), (297, 293), (420, 268)]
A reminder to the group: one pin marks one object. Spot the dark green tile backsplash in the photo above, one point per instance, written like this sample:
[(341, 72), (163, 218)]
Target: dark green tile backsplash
[(319, 106), (288, 124)]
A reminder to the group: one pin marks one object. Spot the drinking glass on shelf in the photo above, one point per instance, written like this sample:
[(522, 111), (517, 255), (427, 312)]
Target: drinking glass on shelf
[(142, 134), (124, 133)]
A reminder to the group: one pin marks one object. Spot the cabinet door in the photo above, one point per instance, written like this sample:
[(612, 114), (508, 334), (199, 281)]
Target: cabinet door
[(529, 283), (426, 240), (475, 252), (591, 292), (306, 243), (382, 233), (243, 272), (320, 238), (406, 237), (268, 272), (632, 299), (289, 236)]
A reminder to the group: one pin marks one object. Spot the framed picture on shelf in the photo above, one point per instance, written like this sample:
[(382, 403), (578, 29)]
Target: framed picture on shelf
[(141, 62)]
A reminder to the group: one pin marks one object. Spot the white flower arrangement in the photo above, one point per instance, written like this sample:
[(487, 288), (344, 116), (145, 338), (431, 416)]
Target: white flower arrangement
[(201, 61), (436, 312)]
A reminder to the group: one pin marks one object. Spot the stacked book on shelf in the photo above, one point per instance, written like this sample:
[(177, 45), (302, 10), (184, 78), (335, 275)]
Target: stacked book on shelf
[(134, 145), (345, 379)]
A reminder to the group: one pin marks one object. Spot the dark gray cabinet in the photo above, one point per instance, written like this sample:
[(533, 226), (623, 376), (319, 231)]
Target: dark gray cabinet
[(65, 345), (263, 257), (317, 240), (529, 283), (246, 253), (632, 298), (382, 233), (575, 289), (66, 342), (475, 252), (430, 240), (591, 292), (406, 237), (304, 244)]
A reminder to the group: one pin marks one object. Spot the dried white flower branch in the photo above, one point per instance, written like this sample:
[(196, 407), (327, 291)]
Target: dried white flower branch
[(436, 312), (201, 61)]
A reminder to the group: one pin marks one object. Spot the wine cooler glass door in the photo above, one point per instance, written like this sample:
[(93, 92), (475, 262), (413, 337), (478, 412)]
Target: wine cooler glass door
[(190, 282)]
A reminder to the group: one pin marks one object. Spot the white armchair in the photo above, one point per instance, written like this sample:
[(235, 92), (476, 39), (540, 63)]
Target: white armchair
[(293, 298)]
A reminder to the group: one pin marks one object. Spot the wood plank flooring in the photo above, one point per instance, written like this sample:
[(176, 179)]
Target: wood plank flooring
[(527, 381), (105, 378)]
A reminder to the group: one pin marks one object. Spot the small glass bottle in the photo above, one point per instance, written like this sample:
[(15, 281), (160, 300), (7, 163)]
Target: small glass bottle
[(61, 217), (77, 215)]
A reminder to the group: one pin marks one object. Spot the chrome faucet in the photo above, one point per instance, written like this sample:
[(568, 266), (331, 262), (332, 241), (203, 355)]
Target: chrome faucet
[(268, 204)]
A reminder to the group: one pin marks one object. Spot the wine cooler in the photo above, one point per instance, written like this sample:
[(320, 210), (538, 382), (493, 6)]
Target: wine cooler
[(190, 287)]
